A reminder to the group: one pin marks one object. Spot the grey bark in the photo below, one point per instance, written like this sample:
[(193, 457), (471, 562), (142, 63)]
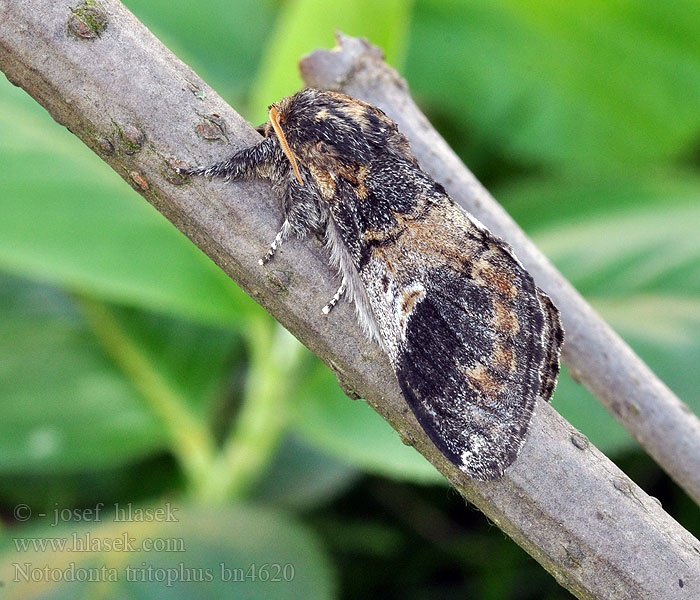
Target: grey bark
[(137, 106)]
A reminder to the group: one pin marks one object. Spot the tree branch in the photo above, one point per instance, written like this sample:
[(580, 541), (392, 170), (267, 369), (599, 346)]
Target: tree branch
[(135, 104)]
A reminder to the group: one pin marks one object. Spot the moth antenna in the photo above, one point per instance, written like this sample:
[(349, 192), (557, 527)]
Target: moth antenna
[(275, 120)]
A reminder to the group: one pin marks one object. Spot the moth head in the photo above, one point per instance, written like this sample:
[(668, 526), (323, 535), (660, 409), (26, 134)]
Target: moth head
[(329, 132)]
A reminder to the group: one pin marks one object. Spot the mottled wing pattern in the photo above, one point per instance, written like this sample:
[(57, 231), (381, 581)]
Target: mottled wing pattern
[(473, 341)]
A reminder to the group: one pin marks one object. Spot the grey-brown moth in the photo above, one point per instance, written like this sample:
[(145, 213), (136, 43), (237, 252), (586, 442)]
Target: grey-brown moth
[(473, 341)]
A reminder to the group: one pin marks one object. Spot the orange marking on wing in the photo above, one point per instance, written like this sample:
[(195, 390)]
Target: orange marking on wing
[(503, 318), (503, 357), (482, 380)]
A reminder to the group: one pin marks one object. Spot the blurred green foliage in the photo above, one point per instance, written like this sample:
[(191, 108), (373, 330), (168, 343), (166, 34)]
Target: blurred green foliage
[(132, 369)]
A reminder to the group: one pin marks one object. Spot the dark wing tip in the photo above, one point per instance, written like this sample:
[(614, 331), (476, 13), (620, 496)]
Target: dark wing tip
[(554, 334), (480, 453)]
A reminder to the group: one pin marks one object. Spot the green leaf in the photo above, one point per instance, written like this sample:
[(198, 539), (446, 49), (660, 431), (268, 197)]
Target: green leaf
[(647, 246), (352, 432), (578, 85), (64, 407), (69, 407), (303, 477), (631, 253), (68, 219), (304, 25), (239, 551), (195, 359)]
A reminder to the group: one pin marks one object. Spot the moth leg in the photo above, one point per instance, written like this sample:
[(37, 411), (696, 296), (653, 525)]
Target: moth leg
[(284, 232), (301, 217), (252, 162), (302, 210), (338, 295)]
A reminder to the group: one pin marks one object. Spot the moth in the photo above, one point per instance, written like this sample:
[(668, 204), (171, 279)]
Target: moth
[(472, 340)]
